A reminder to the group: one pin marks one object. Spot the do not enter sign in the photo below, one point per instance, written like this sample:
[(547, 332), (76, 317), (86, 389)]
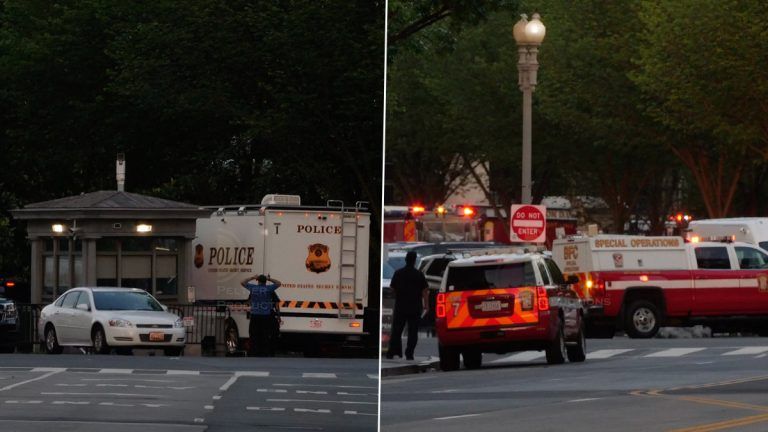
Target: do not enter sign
[(528, 223)]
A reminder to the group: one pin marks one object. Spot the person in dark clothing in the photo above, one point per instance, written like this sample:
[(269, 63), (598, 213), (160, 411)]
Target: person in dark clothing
[(411, 297), (261, 326)]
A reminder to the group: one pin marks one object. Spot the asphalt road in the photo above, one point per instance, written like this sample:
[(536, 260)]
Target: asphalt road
[(126, 393), (625, 384)]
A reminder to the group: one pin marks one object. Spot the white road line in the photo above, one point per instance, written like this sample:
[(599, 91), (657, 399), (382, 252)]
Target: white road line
[(358, 413), (318, 375), (607, 353), (255, 408), (182, 372), (217, 397), (116, 371), (127, 379), (72, 385), (70, 403), (100, 394), (373, 376), (324, 385), (264, 390), (584, 400), (29, 402), (317, 392), (520, 357), (42, 377), (317, 411), (455, 417), (238, 374), (761, 356), (675, 352), (199, 420), (208, 407), (323, 401), (47, 369), (108, 385), (753, 350)]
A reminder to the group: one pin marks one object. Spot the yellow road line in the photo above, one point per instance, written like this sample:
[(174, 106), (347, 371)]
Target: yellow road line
[(728, 424)]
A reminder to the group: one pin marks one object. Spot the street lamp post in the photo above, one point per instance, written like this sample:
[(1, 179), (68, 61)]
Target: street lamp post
[(528, 35)]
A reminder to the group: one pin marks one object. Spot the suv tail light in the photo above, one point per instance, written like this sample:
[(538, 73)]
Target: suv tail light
[(542, 300), (440, 308)]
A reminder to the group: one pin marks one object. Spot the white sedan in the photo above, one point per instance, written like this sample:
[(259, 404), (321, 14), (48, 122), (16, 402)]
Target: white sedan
[(104, 318)]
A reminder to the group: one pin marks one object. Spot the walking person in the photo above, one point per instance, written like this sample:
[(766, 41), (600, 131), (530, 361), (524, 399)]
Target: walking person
[(411, 297), (261, 319)]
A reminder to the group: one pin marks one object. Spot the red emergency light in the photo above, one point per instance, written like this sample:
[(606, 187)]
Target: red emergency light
[(417, 210), (466, 211)]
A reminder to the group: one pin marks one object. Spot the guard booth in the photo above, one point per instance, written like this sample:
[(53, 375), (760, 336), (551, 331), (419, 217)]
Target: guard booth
[(110, 238)]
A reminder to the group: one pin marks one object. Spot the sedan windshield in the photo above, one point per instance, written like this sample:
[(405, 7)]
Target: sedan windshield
[(130, 300)]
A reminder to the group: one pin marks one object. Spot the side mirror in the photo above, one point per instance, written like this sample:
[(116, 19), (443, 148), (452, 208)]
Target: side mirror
[(572, 279), (165, 308), (83, 307)]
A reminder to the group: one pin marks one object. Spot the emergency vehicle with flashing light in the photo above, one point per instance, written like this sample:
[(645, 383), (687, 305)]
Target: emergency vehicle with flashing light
[(638, 284), (504, 303), (747, 229), (319, 253)]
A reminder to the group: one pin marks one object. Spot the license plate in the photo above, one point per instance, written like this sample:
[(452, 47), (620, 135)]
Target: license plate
[(490, 306), (156, 337)]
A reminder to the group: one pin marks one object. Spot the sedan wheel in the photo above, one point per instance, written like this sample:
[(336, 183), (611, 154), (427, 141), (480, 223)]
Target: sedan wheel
[(51, 342), (99, 339)]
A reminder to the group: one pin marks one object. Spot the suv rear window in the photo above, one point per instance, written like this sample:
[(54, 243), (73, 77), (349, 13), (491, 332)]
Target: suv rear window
[(438, 266), (491, 276)]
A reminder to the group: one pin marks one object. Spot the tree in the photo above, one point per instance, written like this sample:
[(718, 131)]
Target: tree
[(212, 101), (709, 86)]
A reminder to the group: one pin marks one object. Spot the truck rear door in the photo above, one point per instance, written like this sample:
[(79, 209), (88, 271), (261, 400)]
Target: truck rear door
[(716, 283), (753, 280)]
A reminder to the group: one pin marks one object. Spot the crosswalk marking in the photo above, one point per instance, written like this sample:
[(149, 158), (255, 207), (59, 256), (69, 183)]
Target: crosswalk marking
[(182, 372), (318, 375), (753, 350), (607, 353), (521, 357), (675, 352)]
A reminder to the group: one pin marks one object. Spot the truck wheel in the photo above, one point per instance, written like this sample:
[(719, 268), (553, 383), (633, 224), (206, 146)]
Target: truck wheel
[(449, 359), (578, 353), (51, 341), (556, 350), (231, 339), (473, 359), (642, 320)]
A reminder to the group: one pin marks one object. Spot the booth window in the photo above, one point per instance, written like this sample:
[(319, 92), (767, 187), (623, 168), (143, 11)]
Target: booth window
[(62, 266), (136, 262)]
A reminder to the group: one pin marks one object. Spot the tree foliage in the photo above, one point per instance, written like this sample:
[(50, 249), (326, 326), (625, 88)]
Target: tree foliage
[(212, 101)]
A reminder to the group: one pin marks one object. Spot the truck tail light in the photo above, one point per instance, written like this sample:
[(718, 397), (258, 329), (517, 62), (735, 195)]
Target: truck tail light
[(596, 286), (440, 308), (542, 300)]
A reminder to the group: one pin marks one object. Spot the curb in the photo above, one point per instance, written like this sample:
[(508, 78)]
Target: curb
[(421, 367)]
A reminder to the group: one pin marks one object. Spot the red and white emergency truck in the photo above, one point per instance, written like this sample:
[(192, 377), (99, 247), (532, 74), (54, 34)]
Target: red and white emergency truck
[(320, 254), (641, 283)]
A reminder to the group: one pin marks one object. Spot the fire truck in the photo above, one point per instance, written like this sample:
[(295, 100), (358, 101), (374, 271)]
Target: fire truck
[(320, 254), (638, 284)]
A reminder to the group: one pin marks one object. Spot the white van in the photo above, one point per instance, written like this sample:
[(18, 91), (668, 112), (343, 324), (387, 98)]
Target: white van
[(748, 229)]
